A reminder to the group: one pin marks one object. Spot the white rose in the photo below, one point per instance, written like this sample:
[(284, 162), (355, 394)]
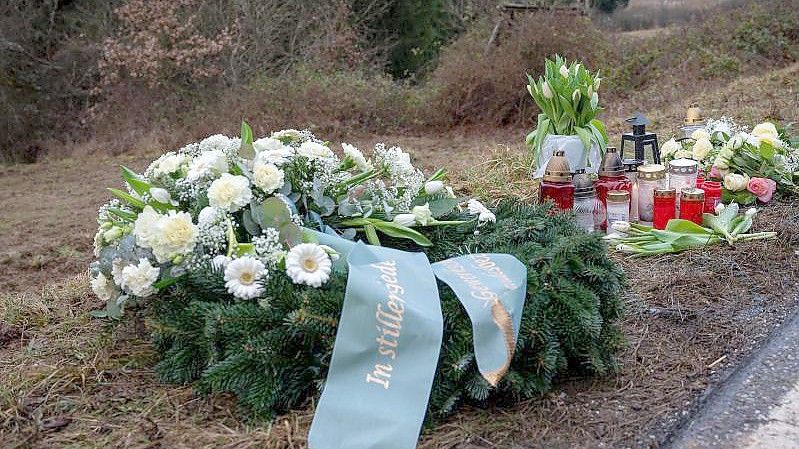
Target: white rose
[(702, 147), (314, 150), (230, 192), (213, 162), (104, 288), (175, 235), (735, 182), (357, 157), (700, 134), (423, 214), (139, 279), (670, 147), (433, 187), (267, 177), (766, 129), (683, 154), (407, 220)]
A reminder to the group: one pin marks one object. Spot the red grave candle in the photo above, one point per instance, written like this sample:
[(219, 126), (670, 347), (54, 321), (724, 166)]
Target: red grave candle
[(692, 204), (557, 183), (664, 208), (712, 195)]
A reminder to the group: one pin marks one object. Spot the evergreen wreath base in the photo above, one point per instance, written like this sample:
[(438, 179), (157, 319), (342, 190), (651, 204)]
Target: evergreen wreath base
[(274, 356)]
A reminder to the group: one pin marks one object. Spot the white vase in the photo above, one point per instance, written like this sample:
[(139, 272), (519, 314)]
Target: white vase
[(579, 158)]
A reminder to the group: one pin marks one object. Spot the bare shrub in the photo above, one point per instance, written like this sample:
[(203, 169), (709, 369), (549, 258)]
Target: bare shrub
[(475, 86)]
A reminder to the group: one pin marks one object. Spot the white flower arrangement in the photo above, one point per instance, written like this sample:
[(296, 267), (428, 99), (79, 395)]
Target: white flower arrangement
[(233, 211)]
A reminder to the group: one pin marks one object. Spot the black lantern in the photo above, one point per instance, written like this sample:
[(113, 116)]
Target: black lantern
[(641, 138)]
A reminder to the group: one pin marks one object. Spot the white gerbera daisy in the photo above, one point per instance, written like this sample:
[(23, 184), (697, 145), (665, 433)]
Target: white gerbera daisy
[(230, 192), (309, 264), (484, 215), (243, 277)]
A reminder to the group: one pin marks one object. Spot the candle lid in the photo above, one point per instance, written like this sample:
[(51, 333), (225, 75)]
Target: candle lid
[(666, 193), (693, 116), (692, 193), (611, 163), (652, 171), (683, 167), (583, 186), (618, 196), (557, 169)]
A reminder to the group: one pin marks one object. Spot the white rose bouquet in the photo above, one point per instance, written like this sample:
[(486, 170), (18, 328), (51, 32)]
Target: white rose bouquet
[(236, 209)]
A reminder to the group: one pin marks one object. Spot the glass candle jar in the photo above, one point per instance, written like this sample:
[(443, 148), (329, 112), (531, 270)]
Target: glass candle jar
[(631, 173), (664, 207), (692, 204), (650, 177), (611, 177), (682, 174), (712, 195), (588, 210), (556, 185), (618, 207)]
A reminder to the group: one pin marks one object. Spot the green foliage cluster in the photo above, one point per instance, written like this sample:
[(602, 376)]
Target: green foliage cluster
[(275, 355)]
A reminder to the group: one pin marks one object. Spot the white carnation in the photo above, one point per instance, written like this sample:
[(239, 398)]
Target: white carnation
[(230, 192), (484, 215), (211, 162), (208, 216), (308, 264), (314, 150), (287, 134), (243, 277), (357, 157), (175, 235), (168, 235), (267, 177), (168, 164), (217, 142), (139, 279), (104, 288), (271, 151)]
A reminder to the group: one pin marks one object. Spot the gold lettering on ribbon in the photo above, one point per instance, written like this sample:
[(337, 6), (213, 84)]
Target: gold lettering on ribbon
[(388, 315), (499, 313)]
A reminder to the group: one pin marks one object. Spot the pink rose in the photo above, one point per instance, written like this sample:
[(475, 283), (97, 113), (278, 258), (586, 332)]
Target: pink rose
[(715, 173), (762, 188)]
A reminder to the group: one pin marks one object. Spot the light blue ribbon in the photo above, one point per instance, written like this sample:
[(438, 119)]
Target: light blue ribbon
[(389, 339)]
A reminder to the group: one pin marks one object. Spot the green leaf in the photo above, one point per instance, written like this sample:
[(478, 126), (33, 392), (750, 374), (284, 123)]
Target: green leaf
[(134, 181), (123, 214), (246, 149), (686, 227), (442, 206), (128, 198), (371, 235), (401, 232)]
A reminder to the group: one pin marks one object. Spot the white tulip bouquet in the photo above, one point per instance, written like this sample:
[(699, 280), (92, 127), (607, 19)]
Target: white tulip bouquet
[(568, 97), (238, 209)]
